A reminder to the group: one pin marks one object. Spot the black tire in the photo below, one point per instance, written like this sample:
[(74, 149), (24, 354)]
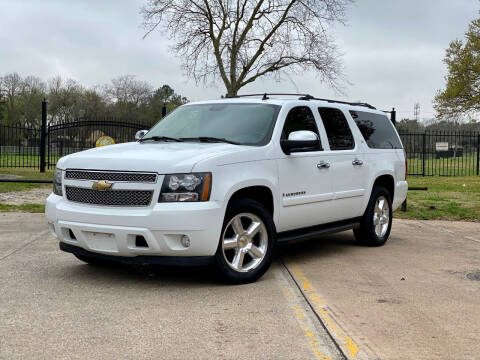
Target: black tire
[(366, 235), (90, 260), (225, 269)]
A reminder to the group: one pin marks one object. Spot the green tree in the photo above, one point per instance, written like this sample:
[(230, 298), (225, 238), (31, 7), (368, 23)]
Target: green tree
[(165, 95), (461, 95)]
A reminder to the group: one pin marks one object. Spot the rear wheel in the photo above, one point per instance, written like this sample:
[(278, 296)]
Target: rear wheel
[(376, 223), (247, 242)]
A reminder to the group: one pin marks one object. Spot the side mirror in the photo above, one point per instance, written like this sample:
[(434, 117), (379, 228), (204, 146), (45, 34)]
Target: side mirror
[(140, 134), (299, 141)]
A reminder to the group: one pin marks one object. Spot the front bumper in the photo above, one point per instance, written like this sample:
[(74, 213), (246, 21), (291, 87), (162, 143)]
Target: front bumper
[(113, 231), (141, 259)]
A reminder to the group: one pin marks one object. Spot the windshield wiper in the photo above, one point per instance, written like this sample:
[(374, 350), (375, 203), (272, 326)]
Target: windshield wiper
[(211, 139), (160, 138)]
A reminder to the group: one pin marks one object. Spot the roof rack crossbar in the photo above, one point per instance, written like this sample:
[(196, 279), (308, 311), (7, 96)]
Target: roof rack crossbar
[(265, 96)]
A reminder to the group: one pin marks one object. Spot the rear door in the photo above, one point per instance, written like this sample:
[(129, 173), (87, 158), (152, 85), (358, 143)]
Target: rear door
[(306, 187), (349, 168)]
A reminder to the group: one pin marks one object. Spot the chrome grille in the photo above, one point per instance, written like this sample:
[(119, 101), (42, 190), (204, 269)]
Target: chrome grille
[(109, 197), (111, 176)]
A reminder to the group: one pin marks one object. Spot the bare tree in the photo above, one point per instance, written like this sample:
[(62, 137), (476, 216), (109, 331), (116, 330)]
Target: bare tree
[(30, 99), (242, 40), (127, 95), (64, 97), (128, 90), (11, 84)]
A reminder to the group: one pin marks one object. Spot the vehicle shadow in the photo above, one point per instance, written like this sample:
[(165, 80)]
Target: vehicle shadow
[(146, 275), (322, 246), (202, 276)]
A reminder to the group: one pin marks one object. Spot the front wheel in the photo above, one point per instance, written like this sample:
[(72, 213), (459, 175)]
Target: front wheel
[(376, 223), (247, 242)]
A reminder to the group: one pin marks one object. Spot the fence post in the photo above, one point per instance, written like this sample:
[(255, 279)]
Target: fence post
[(478, 152), (164, 111), (393, 117), (423, 152), (43, 134)]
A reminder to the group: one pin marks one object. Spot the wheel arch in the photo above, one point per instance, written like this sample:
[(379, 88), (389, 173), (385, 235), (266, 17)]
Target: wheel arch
[(388, 182), (261, 193)]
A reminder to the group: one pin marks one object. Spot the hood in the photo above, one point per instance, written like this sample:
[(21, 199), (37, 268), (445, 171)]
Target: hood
[(160, 157)]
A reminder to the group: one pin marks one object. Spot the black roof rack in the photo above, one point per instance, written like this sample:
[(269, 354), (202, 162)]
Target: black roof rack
[(265, 96)]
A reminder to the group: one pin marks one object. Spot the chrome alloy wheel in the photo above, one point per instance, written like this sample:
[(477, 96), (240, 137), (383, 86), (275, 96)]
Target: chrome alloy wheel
[(244, 242), (381, 216)]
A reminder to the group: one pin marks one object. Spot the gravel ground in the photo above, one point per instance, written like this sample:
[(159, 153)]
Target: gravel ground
[(34, 196), (9, 176)]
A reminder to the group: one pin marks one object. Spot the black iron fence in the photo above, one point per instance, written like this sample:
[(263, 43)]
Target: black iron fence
[(442, 153), (24, 147), (19, 146)]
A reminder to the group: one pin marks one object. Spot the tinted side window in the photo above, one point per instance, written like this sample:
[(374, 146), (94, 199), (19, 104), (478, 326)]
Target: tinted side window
[(299, 118), (338, 132), (377, 130)]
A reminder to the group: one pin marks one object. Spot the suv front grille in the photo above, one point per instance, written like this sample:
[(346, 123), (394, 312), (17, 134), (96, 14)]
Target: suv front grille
[(109, 197), (111, 176)]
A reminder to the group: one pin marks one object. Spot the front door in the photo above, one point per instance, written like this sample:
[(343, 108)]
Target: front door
[(304, 178)]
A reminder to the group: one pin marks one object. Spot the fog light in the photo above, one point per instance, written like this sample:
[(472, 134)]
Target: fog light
[(185, 241)]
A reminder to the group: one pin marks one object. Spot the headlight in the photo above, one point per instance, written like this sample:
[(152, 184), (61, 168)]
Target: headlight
[(57, 182), (186, 187)]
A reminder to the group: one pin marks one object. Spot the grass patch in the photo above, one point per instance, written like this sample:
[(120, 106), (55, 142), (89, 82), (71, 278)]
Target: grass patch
[(30, 174), (32, 208), (447, 198)]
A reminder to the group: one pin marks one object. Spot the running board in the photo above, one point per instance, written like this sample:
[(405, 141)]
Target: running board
[(315, 231)]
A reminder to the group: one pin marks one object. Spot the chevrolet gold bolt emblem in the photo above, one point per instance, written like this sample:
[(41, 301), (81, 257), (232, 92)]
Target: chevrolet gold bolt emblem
[(102, 185)]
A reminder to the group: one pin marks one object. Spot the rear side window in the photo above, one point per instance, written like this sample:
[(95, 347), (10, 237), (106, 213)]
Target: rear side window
[(377, 130), (299, 118), (338, 132)]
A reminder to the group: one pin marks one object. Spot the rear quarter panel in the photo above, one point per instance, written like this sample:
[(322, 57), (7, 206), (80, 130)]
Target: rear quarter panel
[(388, 162)]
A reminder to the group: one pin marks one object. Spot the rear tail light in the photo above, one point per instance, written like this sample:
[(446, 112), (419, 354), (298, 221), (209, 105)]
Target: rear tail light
[(406, 163)]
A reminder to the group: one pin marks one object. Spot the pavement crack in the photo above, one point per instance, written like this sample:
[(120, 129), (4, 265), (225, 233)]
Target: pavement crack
[(35, 238)]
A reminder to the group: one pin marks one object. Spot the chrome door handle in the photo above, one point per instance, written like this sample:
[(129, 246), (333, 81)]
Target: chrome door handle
[(323, 165), (357, 162)]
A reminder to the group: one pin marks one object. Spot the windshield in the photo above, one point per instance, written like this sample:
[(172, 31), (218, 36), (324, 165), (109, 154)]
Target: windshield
[(246, 124)]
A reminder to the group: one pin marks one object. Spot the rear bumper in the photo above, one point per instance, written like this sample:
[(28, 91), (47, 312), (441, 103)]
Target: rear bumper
[(113, 231), (142, 259), (401, 190)]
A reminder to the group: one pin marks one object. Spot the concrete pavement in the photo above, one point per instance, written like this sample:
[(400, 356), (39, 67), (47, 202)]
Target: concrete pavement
[(54, 306), (410, 299)]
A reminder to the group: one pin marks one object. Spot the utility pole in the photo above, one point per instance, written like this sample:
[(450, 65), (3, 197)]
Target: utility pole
[(416, 111)]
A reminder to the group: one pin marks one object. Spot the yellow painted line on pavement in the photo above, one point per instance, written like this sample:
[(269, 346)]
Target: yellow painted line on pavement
[(308, 330), (345, 341)]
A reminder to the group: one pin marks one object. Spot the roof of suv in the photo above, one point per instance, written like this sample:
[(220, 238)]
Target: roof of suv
[(297, 99)]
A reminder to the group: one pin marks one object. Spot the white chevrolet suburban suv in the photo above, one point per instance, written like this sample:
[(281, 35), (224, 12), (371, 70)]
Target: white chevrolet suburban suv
[(223, 182)]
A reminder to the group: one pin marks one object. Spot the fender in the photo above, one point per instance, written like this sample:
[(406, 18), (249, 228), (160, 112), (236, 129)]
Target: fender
[(235, 177)]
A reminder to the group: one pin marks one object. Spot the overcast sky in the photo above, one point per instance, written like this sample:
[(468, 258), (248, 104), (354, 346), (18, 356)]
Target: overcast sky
[(393, 50)]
